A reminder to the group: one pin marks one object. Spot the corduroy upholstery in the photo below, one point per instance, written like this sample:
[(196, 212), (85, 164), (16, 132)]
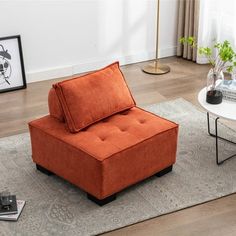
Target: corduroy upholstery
[(93, 97), (108, 155), (54, 105)]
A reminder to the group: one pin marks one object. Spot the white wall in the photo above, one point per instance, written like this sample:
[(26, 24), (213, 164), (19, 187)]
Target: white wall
[(65, 37)]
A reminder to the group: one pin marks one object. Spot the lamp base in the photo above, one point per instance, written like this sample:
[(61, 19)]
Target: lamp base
[(156, 68)]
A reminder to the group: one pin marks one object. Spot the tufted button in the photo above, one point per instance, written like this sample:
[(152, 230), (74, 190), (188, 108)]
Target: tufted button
[(142, 121), (102, 138), (123, 130)]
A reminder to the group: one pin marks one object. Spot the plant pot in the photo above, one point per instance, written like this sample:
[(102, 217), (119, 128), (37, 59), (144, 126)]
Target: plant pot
[(214, 97)]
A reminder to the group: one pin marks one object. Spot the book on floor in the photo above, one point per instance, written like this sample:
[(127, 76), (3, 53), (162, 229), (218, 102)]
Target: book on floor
[(14, 217), (12, 208)]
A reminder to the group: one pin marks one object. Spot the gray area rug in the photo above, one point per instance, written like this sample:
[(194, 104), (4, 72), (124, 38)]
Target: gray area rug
[(55, 207)]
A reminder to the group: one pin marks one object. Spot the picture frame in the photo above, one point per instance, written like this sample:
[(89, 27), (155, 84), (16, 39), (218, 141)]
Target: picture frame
[(12, 71)]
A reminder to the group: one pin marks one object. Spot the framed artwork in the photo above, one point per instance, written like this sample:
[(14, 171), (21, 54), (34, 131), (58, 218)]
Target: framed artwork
[(12, 72)]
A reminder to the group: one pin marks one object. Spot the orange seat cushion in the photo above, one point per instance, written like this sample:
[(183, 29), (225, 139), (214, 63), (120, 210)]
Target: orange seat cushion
[(93, 97), (109, 155)]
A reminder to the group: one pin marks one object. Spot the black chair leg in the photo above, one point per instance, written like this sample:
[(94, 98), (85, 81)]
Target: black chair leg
[(43, 170), (101, 202), (165, 171)]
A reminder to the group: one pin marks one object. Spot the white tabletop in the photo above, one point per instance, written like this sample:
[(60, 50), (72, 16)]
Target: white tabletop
[(227, 109)]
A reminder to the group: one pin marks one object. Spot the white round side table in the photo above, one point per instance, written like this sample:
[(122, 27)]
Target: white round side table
[(226, 110)]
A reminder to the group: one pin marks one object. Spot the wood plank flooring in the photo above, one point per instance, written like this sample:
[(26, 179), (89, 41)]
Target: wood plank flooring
[(185, 80), (216, 218)]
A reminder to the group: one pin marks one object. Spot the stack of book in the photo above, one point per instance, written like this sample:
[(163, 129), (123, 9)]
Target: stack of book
[(228, 89), (12, 212)]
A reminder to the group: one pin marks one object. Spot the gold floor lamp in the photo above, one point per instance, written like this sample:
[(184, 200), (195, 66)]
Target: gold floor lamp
[(156, 68)]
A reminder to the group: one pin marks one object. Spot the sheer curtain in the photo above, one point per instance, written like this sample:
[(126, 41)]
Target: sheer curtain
[(217, 21)]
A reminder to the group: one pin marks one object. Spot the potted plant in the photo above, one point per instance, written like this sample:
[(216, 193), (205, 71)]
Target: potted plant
[(221, 58)]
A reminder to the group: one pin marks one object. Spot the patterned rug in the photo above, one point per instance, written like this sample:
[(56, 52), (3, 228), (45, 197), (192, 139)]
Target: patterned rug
[(55, 207)]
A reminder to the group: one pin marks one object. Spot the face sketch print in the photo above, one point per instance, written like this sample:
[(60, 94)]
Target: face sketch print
[(5, 66)]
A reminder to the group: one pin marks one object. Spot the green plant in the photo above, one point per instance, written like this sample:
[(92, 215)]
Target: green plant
[(224, 58)]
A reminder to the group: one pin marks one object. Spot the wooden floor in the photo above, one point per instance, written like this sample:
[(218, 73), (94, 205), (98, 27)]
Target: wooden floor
[(185, 80)]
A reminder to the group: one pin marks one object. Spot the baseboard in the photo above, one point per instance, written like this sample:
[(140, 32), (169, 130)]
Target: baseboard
[(70, 70), (48, 74)]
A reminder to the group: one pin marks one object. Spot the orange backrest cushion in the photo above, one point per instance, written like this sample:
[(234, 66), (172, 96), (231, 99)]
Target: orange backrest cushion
[(93, 97), (55, 108)]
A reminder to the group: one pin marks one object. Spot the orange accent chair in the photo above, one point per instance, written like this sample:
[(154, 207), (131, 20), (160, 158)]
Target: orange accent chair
[(98, 139)]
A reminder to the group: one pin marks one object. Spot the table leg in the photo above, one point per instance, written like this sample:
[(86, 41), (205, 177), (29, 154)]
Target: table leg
[(217, 137)]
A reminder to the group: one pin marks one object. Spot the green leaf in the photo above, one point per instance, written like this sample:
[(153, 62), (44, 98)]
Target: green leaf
[(191, 41), (230, 69)]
